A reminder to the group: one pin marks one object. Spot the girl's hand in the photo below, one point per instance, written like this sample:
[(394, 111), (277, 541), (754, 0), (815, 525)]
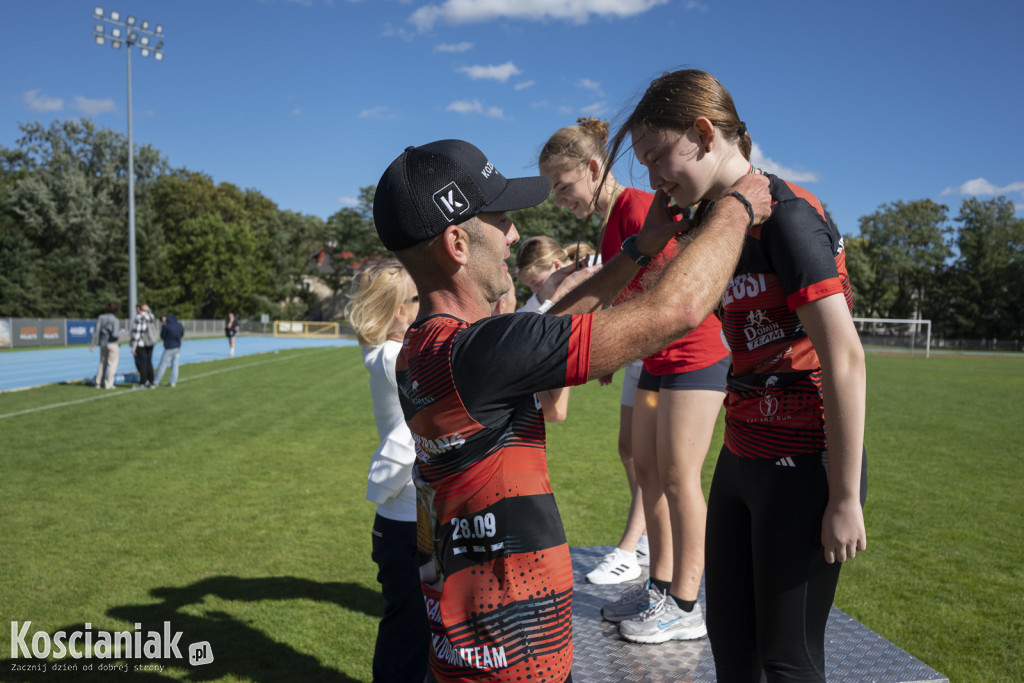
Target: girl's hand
[(842, 530), (664, 221), (564, 280)]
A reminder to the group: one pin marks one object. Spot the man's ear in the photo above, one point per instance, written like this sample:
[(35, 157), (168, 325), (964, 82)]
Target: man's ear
[(455, 244)]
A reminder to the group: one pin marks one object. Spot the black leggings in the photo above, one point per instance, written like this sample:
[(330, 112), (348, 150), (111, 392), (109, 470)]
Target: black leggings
[(768, 587)]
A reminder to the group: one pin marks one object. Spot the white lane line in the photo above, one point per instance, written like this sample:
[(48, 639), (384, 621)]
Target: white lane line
[(111, 394)]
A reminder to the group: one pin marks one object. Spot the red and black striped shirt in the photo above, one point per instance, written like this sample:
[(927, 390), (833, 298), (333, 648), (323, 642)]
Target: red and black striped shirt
[(774, 407), (497, 578)]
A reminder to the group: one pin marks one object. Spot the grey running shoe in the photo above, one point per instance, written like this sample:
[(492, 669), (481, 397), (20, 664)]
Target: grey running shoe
[(665, 621), (633, 602)]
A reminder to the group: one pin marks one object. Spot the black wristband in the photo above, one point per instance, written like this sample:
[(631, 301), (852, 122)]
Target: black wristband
[(629, 246), (750, 209)]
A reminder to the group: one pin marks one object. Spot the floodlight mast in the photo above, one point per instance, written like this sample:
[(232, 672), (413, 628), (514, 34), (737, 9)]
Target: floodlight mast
[(139, 33)]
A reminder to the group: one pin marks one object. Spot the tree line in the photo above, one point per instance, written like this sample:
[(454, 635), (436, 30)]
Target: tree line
[(204, 248)]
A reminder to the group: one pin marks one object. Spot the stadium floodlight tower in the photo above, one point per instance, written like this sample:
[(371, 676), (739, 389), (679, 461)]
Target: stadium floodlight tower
[(141, 34)]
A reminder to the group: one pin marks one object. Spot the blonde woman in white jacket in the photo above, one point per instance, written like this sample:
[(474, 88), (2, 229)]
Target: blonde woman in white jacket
[(382, 304)]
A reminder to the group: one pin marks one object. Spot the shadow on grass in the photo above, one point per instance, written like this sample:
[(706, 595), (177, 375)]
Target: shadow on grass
[(239, 650)]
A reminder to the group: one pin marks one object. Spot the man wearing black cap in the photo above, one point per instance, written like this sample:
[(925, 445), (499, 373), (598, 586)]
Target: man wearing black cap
[(497, 577)]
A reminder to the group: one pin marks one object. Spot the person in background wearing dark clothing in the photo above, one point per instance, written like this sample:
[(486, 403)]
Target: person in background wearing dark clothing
[(142, 352), (171, 332), (106, 335), (231, 330)]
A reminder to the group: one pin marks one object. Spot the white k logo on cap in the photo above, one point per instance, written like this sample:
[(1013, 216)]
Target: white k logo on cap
[(450, 200)]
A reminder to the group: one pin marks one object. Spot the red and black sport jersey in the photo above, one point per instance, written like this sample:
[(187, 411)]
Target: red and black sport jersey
[(703, 346), (774, 406), (498, 577)]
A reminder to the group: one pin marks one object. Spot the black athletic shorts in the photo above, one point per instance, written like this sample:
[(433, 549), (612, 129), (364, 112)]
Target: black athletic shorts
[(711, 378)]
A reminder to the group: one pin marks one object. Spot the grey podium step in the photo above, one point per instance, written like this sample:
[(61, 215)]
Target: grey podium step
[(853, 652)]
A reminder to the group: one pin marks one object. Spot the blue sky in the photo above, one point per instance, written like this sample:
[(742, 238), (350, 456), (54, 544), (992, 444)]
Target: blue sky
[(308, 100)]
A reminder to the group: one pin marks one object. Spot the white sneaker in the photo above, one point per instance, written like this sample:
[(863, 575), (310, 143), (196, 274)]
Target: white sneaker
[(664, 621), (643, 552), (616, 567)]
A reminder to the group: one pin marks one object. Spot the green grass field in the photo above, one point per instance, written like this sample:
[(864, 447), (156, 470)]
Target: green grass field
[(233, 507)]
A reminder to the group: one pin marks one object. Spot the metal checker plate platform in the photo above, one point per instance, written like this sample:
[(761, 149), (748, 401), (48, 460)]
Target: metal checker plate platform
[(853, 652)]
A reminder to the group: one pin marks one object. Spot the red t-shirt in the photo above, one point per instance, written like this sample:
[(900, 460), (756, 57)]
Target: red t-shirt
[(702, 347)]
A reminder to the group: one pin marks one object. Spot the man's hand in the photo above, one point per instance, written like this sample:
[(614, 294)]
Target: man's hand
[(755, 187)]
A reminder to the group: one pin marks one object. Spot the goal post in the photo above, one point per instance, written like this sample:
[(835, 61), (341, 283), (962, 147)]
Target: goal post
[(907, 333), (305, 329)]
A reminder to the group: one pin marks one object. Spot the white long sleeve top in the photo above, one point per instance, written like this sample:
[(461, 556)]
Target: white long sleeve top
[(390, 477)]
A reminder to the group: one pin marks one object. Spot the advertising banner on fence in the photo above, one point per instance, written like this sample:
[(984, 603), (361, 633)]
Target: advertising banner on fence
[(37, 331), (5, 333), (80, 331)]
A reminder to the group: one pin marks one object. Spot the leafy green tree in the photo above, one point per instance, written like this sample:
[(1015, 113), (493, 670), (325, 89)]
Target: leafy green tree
[(984, 283), (862, 277), (906, 246), (351, 239), (556, 222), (65, 193), (20, 289), (254, 260), (215, 263)]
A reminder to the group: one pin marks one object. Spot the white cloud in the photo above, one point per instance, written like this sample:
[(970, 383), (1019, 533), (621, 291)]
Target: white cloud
[(391, 31), (525, 84), (694, 5), (588, 84), (454, 47), (980, 186), (759, 159), (497, 72), (595, 109), (37, 102), (475, 107), (465, 107), (93, 107), (564, 110), (576, 11), (348, 201), (377, 113), (296, 112)]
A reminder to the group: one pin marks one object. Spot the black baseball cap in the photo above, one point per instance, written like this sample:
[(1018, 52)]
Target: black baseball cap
[(444, 183)]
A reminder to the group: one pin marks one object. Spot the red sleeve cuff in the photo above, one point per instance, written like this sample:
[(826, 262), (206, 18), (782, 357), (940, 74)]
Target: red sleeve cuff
[(819, 290), (577, 366)]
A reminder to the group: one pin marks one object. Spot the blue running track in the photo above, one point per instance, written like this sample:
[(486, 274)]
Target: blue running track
[(25, 369)]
